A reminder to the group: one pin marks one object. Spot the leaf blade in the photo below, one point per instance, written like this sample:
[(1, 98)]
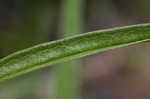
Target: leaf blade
[(71, 48)]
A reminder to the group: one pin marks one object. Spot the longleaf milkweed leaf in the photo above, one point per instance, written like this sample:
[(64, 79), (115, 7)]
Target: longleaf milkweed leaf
[(70, 48)]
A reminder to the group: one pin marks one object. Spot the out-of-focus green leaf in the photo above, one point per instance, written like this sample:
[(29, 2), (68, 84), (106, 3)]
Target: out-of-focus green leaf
[(71, 25)]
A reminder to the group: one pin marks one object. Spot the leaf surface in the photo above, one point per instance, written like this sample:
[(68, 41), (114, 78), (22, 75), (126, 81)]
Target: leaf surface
[(70, 48)]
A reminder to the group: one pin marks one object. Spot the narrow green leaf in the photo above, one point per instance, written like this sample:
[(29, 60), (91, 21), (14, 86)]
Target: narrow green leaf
[(71, 48)]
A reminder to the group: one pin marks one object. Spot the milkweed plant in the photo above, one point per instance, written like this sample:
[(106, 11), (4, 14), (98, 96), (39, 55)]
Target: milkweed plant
[(70, 48)]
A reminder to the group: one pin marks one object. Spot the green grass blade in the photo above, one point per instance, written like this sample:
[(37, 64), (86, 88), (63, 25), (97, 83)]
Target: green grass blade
[(70, 48), (68, 86)]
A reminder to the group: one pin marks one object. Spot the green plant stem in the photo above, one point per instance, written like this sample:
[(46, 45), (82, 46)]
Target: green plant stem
[(74, 47), (67, 86)]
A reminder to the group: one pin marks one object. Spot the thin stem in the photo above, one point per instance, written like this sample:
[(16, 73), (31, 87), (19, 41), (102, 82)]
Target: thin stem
[(67, 84)]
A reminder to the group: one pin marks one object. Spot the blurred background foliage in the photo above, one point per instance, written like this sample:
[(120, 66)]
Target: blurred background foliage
[(117, 74)]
